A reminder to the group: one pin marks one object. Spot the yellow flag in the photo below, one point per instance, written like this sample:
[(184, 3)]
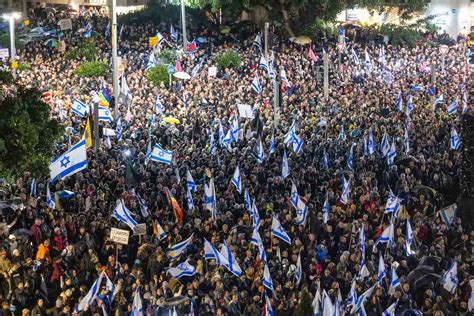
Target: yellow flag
[(88, 133)]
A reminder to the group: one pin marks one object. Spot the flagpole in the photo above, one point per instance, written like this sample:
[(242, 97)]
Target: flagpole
[(266, 39), (326, 76), (114, 57), (433, 81)]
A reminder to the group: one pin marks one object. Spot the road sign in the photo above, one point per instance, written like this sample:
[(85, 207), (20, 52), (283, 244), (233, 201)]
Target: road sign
[(170, 70), (443, 49), (119, 236)]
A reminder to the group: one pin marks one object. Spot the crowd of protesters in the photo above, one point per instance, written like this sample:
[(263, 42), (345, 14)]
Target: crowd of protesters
[(49, 258)]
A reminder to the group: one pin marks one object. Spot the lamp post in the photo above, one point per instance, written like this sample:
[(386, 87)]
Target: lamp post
[(11, 20), (183, 24), (114, 57)]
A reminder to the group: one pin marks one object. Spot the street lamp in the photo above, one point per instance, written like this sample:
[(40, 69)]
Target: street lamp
[(183, 23), (11, 19)]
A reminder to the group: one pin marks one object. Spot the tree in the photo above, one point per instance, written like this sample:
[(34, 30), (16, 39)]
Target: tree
[(405, 7), (27, 134), (305, 305)]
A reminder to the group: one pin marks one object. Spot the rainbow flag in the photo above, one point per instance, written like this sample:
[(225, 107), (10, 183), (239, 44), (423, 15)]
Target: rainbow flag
[(104, 98), (178, 212)]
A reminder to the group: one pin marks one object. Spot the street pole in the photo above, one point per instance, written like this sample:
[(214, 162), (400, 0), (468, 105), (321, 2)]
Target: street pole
[(326, 76), (96, 127), (11, 20), (433, 80), (276, 102), (23, 7), (115, 58), (267, 25), (183, 24)]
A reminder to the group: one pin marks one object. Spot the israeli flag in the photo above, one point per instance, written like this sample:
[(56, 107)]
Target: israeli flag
[(390, 311), (189, 199), (143, 207), (399, 104), (255, 215), (49, 198), (256, 85), (299, 270), (316, 302), (257, 42), (158, 105), (161, 155), (161, 39), (33, 188), (439, 100), (385, 145), (393, 204), (212, 144), (237, 180), (362, 244), (409, 104), (325, 159), (354, 56), (122, 214), (72, 161), (416, 88), (381, 270), (247, 201), (361, 300), (91, 295), (387, 235), (346, 190), (263, 63), (301, 212), (272, 144), (465, 107), (455, 140), (109, 286), (190, 181), (350, 158), (105, 115), (448, 214), (197, 68), (267, 279), (368, 63), (260, 152), (326, 210), (453, 107), (231, 264), (328, 307), (148, 153), (409, 239), (151, 62), (366, 148), (391, 154), (179, 248), (80, 108), (137, 305), (182, 269), (342, 135), (256, 240), (406, 142), (210, 199), (221, 134), (268, 306), (118, 129), (283, 77), (285, 169), (371, 142), (278, 231), (450, 278), (211, 253), (394, 281), (173, 33)]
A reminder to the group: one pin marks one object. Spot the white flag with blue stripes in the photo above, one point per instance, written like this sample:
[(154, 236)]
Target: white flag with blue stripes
[(190, 181), (237, 180), (283, 77), (179, 248), (49, 198), (263, 63), (137, 305), (105, 115), (119, 129), (72, 161), (390, 311), (346, 190), (448, 214), (455, 141), (326, 210), (387, 235), (394, 281), (450, 278), (453, 107), (158, 105), (151, 61), (391, 154), (91, 295), (354, 56), (211, 253), (399, 102), (406, 142), (393, 204), (160, 155), (267, 278), (182, 269), (299, 270), (409, 105), (381, 270), (385, 145), (409, 239), (231, 263), (80, 108), (256, 85), (256, 240), (122, 214), (285, 169), (279, 231), (268, 306)]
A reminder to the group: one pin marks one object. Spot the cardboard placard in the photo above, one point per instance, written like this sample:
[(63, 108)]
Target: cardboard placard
[(245, 111), (65, 24), (212, 71), (4, 53), (152, 41), (140, 229), (119, 236)]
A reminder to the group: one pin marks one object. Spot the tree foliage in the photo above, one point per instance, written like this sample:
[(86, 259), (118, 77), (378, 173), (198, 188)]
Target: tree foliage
[(228, 59), (168, 56), (304, 307), (158, 74), (92, 69), (27, 134)]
